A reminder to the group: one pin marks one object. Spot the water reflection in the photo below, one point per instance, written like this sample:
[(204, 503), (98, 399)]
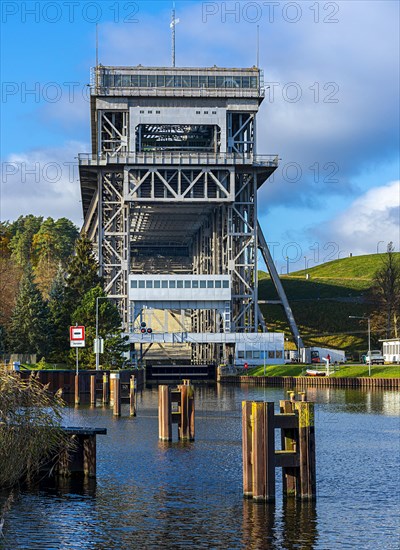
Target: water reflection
[(291, 524), (152, 494)]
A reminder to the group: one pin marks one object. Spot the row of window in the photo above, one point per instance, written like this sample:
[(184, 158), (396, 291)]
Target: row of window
[(180, 284), (159, 112), (177, 81), (258, 354), (391, 348)]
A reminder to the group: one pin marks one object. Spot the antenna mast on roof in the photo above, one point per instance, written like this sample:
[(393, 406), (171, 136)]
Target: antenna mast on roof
[(97, 59), (258, 47), (173, 24)]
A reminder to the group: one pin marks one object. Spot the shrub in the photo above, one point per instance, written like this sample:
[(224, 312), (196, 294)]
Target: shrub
[(30, 427)]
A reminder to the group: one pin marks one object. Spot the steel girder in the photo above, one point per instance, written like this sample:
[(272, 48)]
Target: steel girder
[(113, 216)]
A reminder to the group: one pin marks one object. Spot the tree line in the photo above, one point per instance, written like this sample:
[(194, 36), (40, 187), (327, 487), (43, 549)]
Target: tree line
[(50, 280)]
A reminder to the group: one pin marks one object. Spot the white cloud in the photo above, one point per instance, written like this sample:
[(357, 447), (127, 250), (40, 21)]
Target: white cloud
[(372, 220), (43, 182), (346, 73)]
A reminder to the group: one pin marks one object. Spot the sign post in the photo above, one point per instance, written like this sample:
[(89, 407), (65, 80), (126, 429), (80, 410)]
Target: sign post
[(77, 340)]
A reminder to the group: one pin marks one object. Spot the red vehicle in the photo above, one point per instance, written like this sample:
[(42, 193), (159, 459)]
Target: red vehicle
[(315, 358)]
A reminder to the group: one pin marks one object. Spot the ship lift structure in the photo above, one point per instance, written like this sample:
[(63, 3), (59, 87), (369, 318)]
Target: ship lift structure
[(169, 197)]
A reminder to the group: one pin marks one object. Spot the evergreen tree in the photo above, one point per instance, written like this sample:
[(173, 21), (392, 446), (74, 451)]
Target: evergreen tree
[(52, 244), (67, 235), (115, 344), (24, 229), (29, 330), (82, 272), (60, 318)]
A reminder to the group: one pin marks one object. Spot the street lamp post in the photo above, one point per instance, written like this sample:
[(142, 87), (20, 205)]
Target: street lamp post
[(298, 349), (369, 338), (97, 331)]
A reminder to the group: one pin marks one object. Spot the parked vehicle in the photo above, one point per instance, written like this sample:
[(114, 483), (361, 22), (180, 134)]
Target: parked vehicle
[(375, 357), (317, 355)]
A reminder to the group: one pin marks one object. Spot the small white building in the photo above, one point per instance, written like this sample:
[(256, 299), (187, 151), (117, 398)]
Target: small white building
[(262, 348), (391, 350)]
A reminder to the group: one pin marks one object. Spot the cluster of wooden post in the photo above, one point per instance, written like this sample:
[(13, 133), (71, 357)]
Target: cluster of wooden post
[(111, 392), (296, 458), (176, 406)]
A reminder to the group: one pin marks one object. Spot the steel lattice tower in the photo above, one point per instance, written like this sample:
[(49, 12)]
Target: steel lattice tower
[(171, 184)]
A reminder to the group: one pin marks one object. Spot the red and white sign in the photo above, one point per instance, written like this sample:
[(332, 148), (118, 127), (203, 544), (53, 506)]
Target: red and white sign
[(77, 337)]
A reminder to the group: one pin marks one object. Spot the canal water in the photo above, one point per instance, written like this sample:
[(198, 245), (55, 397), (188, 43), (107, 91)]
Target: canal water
[(189, 495)]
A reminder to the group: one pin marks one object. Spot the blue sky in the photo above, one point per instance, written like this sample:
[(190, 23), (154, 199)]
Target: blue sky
[(331, 110)]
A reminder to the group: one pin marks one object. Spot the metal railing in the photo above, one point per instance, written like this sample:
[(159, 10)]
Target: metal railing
[(178, 158), (177, 92)]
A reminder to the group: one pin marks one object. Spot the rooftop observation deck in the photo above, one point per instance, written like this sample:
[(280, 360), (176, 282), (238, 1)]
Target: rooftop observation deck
[(178, 82), (176, 158)]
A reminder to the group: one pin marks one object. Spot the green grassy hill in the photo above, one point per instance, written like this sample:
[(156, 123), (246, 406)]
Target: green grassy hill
[(322, 303)]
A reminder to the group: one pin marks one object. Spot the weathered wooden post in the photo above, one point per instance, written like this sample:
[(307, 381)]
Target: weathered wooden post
[(115, 384), (246, 448), (164, 413), (183, 426), (77, 396), (289, 443), (307, 481), (191, 413), (106, 389), (132, 396), (93, 389), (89, 456), (187, 413), (263, 451)]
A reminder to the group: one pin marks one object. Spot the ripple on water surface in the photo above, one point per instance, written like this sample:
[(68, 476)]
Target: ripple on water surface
[(158, 495)]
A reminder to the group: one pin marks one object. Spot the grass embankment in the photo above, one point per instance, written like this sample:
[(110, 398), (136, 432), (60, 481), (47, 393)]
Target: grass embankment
[(322, 303), (341, 371)]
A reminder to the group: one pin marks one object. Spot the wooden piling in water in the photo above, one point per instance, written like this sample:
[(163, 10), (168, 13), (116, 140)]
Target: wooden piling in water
[(93, 389), (191, 413), (77, 396), (106, 388), (132, 396), (164, 413), (89, 456), (183, 425), (263, 451), (115, 386), (306, 442), (288, 443), (246, 449)]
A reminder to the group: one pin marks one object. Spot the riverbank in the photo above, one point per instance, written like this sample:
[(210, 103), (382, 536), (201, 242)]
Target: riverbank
[(314, 382), (336, 371)]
